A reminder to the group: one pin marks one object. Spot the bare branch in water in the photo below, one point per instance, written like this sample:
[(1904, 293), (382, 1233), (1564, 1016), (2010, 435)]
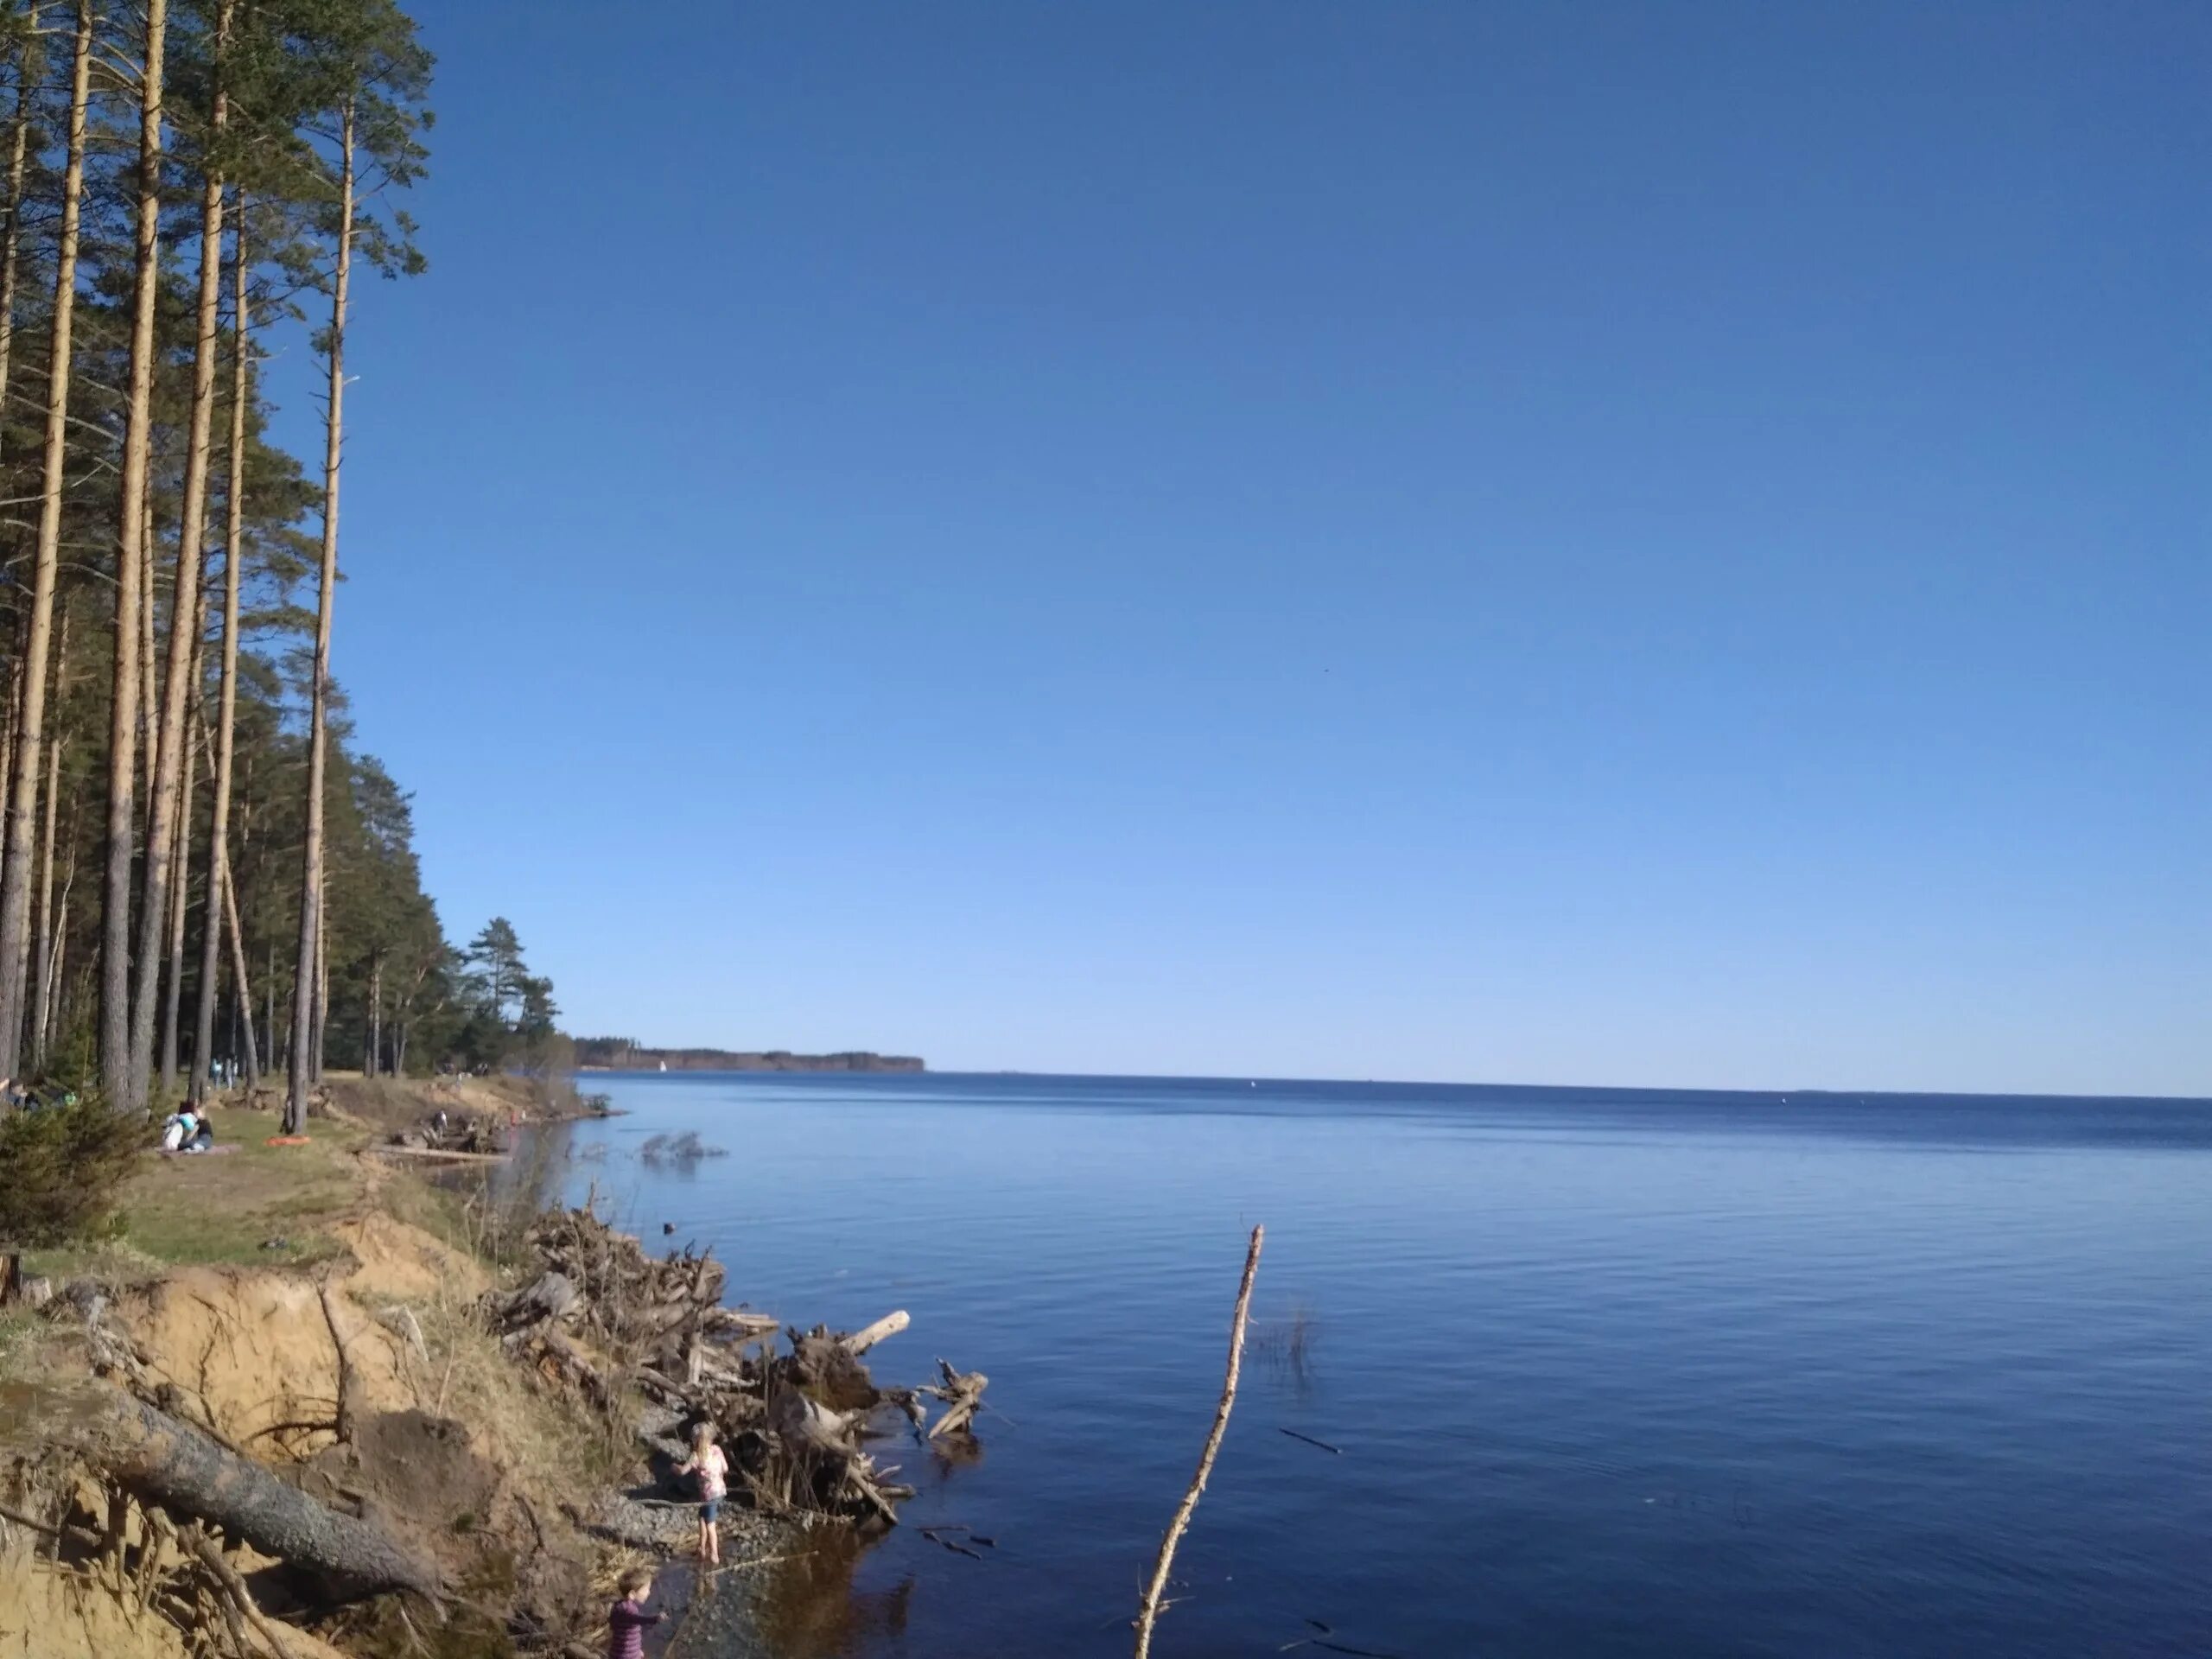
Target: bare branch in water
[(1150, 1611)]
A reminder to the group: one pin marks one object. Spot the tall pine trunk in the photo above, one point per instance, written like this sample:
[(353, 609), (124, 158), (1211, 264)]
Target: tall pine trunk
[(11, 241), (11, 724), (253, 1054), (15, 862), (126, 1082), (219, 834), (56, 977), (165, 833), (302, 1056), (11, 238), (42, 952), (321, 981), (180, 892), (51, 1017)]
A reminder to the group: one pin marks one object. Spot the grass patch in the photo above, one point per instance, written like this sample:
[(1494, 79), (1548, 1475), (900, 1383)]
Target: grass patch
[(20, 1332), (441, 1205), (221, 1208)]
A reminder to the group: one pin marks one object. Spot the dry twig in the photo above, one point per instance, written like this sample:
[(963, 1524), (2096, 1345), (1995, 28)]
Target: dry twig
[(1150, 1610)]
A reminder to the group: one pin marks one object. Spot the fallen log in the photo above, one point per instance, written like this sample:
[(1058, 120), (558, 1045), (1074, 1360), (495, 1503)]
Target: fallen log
[(161, 1460), (550, 1296), (440, 1154), (860, 1476), (867, 1336), (803, 1422), (737, 1323)]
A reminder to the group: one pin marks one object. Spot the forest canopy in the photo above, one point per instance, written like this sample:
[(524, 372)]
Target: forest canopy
[(198, 866)]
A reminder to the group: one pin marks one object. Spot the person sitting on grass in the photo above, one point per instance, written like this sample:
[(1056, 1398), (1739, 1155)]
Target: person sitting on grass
[(203, 1137), (627, 1619), (711, 1468), (178, 1129)]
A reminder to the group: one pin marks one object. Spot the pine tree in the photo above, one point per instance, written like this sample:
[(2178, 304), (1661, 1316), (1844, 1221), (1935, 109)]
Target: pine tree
[(15, 862), (126, 1081), (170, 798), (221, 908), (494, 957), (377, 73)]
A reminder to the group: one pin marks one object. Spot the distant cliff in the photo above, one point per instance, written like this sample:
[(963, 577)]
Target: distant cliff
[(621, 1054)]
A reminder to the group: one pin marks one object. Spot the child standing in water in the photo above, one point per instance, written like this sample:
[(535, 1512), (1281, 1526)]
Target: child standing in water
[(627, 1619), (711, 1468)]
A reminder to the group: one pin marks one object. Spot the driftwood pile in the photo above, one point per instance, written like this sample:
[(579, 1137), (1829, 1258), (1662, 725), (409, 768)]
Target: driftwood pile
[(466, 1137), (683, 1150), (600, 1284), (603, 1317)]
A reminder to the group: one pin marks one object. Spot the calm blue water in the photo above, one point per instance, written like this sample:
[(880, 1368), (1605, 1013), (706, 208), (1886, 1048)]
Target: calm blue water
[(1611, 1373)]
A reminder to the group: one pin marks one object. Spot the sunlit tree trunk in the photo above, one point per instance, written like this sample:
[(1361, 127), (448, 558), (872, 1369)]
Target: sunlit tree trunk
[(322, 982), (179, 904), (11, 237), (148, 683), (178, 895), (126, 1082), (302, 1057), (218, 834), (15, 862), (251, 1055), (43, 951), (56, 978), (164, 834)]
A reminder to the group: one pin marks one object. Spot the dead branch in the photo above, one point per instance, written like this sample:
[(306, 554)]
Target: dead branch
[(349, 1391), (1149, 1611), (203, 1550), (866, 1337), (963, 1394)]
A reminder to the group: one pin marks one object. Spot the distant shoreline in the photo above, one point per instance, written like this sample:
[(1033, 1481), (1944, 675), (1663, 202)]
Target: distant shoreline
[(616, 1054)]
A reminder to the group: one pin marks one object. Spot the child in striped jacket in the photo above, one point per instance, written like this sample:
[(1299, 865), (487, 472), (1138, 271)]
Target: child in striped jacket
[(627, 1619)]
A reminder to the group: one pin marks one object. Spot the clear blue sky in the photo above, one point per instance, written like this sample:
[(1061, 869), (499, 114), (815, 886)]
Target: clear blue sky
[(1568, 543)]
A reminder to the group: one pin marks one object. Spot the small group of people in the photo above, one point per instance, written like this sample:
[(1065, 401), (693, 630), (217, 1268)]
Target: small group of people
[(628, 1621), (19, 1095), (187, 1130)]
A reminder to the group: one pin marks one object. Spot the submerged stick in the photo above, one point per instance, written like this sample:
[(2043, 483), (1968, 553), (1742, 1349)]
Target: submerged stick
[(1150, 1610)]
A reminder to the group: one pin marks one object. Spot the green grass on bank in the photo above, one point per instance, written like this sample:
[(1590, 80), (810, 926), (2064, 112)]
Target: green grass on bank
[(226, 1207)]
